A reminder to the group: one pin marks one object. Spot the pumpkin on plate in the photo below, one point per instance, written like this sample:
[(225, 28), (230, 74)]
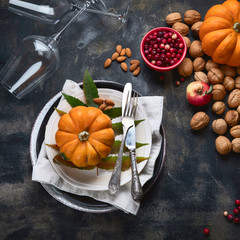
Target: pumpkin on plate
[(85, 136), (220, 33)]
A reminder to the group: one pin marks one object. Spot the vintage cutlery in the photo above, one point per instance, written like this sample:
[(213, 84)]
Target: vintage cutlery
[(130, 143)]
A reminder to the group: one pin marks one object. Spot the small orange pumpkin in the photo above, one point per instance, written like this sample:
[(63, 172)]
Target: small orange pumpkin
[(220, 33), (85, 136)]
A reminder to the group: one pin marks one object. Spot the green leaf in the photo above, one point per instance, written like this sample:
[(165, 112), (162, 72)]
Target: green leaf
[(113, 112), (109, 162), (74, 102), (90, 89), (116, 146), (54, 146), (60, 112), (117, 127)]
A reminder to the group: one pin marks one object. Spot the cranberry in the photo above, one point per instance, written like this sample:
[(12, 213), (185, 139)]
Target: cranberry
[(172, 62), (230, 217), (225, 213), (151, 42), (239, 208), (180, 45), (178, 56), (146, 52), (182, 79), (165, 35), (147, 39), (167, 47), (160, 33), (159, 63), (176, 45), (150, 49), (236, 220), (151, 37), (169, 40), (153, 62), (171, 50), (237, 202), (161, 45), (170, 34), (206, 231), (163, 50), (168, 54), (164, 41), (158, 39), (180, 51), (235, 211), (167, 60), (175, 60), (155, 46), (158, 50), (154, 51), (161, 77), (154, 37), (174, 36), (149, 56)]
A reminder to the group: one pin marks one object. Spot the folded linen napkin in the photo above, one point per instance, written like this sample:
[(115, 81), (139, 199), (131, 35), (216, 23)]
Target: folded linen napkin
[(43, 172)]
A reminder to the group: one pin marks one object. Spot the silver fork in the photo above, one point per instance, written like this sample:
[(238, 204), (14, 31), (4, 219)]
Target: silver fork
[(127, 122)]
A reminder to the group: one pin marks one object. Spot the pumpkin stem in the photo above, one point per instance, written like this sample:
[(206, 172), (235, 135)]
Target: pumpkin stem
[(83, 136), (236, 27)]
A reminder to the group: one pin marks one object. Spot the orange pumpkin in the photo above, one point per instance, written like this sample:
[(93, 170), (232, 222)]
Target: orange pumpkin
[(220, 33), (85, 136)]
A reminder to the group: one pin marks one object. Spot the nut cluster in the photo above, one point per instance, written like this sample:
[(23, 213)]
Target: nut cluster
[(104, 104), (120, 56)]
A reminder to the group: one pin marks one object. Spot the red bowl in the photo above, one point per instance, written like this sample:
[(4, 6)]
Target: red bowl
[(163, 68)]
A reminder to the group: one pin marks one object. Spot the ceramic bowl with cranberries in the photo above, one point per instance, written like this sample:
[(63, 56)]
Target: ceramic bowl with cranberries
[(163, 49)]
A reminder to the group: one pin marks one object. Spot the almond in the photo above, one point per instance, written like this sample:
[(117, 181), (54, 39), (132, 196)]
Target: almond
[(108, 107), (135, 61), (133, 67), (123, 52), (102, 106), (137, 71), (98, 101), (128, 52), (119, 48), (109, 102), (115, 56), (121, 58), (107, 63), (124, 66)]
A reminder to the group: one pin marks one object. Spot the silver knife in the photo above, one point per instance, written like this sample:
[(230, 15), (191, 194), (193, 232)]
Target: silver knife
[(130, 143)]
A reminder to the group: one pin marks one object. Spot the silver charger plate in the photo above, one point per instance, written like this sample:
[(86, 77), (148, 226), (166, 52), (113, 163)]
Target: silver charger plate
[(83, 203)]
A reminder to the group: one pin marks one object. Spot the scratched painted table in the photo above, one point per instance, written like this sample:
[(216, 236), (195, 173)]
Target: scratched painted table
[(196, 184)]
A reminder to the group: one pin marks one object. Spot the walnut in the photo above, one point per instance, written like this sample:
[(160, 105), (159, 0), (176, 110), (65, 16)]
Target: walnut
[(232, 118), (185, 68), (234, 98), (182, 28), (218, 107), (191, 16), (199, 121), (218, 92), (228, 71), (173, 18), (198, 64), (188, 41), (236, 145), (215, 76), (228, 83), (201, 76), (196, 49), (238, 109), (195, 28), (223, 145), (211, 64), (235, 131), (219, 126), (237, 82)]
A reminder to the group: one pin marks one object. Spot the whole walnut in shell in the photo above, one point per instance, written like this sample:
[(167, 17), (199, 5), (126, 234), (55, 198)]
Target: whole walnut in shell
[(219, 126), (195, 28), (191, 16), (199, 121), (235, 131), (195, 49), (232, 117), (201, 76), (182, 28), (198, 64), (223, 145), (211, 64), (228, 71), (238, 109), (234, 98), (237, 82), (185, 68), (218, 107), (228, 83), (218, 92), (187, 41), (173, 18), (215, 76), (236, 145)]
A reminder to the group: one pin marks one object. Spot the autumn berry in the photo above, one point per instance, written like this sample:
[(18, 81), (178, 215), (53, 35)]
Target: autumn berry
[(225, 213), (235, 211), (237, 202), (177, 83), (239, 208), (236, 220), (206, 231), (182, 79), (230, 217)]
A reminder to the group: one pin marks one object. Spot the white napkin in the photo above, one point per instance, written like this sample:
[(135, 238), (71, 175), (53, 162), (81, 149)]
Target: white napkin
[(44, 173)]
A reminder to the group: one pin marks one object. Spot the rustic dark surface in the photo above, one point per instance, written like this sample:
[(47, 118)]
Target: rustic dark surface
[(196, 184)]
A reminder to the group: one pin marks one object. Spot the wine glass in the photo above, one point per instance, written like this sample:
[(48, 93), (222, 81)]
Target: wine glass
[(34, 61)]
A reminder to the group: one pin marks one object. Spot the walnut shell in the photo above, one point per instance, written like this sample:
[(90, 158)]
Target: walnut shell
[(191, 17), (236, 145), (218, 107), (199, 121), (228, 83), (215, 76), (232, 118), (201, 76), (182, 28), (188, 41), (211, 64), (185, 68), (223, 145), (238, 109), (195, 49), (234, 98), (228, 71), (198, 64), (218, 92), (173, 18), (219, 126), (235, 131), (237, 82), (195, 28)]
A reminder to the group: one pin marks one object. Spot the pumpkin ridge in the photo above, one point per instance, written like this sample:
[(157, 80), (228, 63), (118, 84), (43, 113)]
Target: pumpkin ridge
[(72, 142), (233, 7)]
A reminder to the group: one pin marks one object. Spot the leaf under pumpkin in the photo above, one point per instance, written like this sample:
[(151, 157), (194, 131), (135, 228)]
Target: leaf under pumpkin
[(117, 127), (74, 102), (60, 112)]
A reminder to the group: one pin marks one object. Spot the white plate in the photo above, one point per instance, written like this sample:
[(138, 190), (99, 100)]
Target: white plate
[(89, 179)]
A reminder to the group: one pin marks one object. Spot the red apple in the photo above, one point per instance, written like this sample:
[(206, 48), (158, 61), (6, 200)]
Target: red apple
[(199, 93)]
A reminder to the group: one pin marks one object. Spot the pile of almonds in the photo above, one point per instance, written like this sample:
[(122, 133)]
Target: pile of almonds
[(104, 104), (120, 56), (225, 81)]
